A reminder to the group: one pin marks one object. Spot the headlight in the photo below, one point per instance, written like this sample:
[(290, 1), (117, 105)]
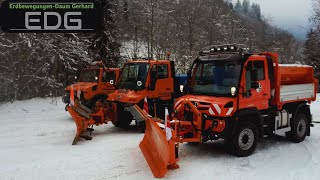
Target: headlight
[(181, 88)]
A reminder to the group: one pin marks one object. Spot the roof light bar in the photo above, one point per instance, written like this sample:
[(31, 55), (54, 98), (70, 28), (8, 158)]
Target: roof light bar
[(224, 49)]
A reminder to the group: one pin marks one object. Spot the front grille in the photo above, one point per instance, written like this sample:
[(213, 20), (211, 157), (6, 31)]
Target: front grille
[(202, 106)]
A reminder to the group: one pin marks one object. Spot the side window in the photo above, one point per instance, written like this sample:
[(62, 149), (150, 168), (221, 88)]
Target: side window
[(198, 70), (259, 65), (108, 75), (162, 71)]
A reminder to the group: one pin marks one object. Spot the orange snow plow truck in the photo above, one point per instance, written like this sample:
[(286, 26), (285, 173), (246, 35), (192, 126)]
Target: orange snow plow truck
[(235, 96), (94, 84), (149, 83)]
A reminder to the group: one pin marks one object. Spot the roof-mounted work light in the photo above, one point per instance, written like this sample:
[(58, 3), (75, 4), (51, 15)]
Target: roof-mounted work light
[(228, 48)]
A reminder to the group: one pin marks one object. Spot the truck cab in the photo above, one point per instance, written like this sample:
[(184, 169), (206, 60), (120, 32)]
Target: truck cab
[(94, 84), (140, 79)]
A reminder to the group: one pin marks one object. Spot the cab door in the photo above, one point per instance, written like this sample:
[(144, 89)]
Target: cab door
[(256, 85), (108, 80), (163, 83)]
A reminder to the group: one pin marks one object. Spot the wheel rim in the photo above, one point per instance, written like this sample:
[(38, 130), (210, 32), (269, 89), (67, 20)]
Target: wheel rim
[(301, 128), (246, 139)]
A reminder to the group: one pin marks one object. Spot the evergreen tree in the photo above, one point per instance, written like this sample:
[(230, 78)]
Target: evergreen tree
[(255, 11), (245, 6), (258, 12), (105, 45), (238, 7), (231, 6)]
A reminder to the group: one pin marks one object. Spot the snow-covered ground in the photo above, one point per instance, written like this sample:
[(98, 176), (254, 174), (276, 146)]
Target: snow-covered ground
[(36, 138)]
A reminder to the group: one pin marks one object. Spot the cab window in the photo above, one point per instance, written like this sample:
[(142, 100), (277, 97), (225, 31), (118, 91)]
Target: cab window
[(108, 75), (259, 66), (162, 71)]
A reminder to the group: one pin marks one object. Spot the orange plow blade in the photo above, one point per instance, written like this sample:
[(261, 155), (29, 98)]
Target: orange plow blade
[(82, 120), (157, 150)]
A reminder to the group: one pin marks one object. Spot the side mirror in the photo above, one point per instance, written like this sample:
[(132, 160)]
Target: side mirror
[(153, 79), (76, 77), (189, 75), (153, 74), (254, 74), (255, 85), (248, 93)]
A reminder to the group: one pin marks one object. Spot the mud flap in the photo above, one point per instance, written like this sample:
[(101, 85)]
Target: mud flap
[(82, 122), (159, 153)]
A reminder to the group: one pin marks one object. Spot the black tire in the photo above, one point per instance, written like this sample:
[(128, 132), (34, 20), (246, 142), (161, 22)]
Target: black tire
[(299, 129), (244, 141), (141, 126), (124, 118)]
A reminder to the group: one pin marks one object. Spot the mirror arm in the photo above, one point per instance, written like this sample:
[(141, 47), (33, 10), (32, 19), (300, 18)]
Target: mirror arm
[(243, 93)]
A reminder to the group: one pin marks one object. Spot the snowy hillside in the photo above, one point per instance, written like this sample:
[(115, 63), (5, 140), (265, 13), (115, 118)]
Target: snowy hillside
[(36, 138)]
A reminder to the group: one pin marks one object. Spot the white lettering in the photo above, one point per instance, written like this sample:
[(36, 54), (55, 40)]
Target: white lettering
[(28, 20), (78, 21), (46, 26)]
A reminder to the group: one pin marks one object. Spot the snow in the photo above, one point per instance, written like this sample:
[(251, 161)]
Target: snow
[(293, 65), (36, 138), (127, 49)]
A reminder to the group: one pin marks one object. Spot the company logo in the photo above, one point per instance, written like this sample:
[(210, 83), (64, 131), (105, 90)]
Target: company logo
[(50, 16)]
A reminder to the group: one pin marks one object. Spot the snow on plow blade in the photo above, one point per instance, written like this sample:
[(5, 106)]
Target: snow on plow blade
[(159, 153), (82, 118)]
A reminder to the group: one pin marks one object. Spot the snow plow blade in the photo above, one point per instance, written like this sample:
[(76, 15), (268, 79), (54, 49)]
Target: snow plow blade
[(83, 121), (159, 153)]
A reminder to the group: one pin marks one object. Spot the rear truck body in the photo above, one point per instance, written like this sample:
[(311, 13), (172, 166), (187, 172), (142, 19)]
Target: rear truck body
[(94, 84), (238, 97), (153, 80)]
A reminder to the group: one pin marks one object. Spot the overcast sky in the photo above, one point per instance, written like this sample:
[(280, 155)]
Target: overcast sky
[(292, 15)]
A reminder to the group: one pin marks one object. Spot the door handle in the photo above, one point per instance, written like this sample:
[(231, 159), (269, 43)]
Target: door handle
[(265, 94)]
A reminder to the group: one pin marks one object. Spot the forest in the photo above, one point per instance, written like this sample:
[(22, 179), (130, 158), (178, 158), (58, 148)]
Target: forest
[(43, 64)]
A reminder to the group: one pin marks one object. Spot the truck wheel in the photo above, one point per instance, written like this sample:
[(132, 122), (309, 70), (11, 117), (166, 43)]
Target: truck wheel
[(244, 142), (124, 118), (299, 130), (141, 126)]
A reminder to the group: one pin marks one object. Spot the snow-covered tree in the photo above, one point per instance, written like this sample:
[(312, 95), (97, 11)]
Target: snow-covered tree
[(246, 6), (312, 44), (238, 7), (43, 64), (105, 45)]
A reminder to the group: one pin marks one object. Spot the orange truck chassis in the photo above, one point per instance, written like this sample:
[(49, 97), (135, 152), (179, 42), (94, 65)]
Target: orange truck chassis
[(236, 96), (94, 84)]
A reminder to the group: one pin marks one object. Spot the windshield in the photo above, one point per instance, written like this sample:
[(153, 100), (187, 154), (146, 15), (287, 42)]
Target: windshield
[(215, 77), (89, 75), (133, 76)]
